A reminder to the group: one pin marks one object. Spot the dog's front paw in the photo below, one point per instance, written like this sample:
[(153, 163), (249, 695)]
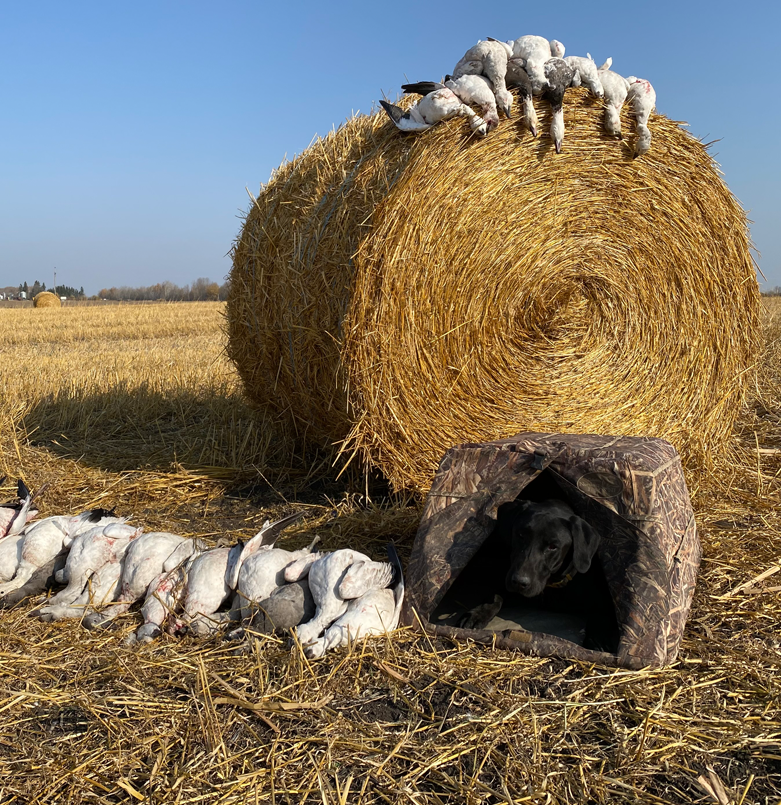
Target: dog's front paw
[(480, 616)]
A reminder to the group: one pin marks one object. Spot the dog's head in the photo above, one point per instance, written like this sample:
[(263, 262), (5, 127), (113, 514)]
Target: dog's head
[(542, 536)]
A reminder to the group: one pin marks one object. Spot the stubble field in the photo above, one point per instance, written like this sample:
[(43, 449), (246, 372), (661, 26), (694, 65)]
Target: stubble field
[(136, 406)]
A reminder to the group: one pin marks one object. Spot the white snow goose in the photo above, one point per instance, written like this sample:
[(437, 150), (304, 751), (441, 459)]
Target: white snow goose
[(46, 538), (616, 88), (334, 579), (10, 556), (558, 75), (101, 589), (261, 566), (642, 98), (432, 109), (376, 611), (472, 89), (90, 552), (146, 557), (163, 599), (213, 577), (15, 514), (488, 58), (208, 588), (585, 73)]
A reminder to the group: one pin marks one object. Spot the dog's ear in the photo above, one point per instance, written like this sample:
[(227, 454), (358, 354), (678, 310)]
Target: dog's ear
[(520, 506), (584, 543)]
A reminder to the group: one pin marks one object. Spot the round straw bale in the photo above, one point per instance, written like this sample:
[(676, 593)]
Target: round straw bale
[(400, 294), (46, 299), (292, 275)]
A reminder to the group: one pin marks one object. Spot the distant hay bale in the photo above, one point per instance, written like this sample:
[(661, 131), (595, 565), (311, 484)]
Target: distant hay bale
[(46, 299), (401, 294)]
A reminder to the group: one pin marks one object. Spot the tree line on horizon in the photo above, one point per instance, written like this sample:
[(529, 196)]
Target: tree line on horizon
[(202, 290), (60, 290)]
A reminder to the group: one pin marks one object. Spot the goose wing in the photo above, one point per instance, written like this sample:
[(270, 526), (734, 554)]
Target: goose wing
[(267, 536), (401, 119), (361, 577), (422, 87), (300, 568), (271, 531)]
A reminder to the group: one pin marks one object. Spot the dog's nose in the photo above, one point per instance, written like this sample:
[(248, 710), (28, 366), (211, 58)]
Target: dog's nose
[(521, 583)]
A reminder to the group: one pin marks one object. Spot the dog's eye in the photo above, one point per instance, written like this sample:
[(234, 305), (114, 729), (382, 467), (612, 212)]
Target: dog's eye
[(551, 547)]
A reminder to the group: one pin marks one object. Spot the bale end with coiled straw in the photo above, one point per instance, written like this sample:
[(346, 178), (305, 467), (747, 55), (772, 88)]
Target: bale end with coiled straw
[(402, 294)]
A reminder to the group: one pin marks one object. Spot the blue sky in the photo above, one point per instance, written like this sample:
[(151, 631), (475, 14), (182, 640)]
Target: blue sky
[(129, 131)]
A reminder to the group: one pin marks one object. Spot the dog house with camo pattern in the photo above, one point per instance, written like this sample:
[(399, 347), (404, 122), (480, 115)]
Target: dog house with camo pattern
[(631, 490)]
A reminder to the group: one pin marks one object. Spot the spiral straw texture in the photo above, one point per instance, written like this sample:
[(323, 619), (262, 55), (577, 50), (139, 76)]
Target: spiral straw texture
[(462, 290)]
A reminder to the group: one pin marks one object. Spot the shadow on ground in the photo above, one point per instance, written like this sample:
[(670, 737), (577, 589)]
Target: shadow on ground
[(219, 436)]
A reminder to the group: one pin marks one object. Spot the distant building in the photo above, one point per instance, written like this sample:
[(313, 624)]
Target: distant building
[(22, 294)]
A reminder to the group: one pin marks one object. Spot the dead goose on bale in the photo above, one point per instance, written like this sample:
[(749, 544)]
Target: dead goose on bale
[(642, 98), (585, 73), (518, 78), (471, 89), (488, 58), (535, 51), (616, 88), (558, 75), (432, 109)]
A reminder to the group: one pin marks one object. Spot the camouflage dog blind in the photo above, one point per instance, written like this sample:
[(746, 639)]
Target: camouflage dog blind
[(630, 490)]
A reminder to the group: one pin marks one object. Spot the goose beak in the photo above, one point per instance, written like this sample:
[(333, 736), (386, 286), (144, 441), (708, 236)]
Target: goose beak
[(558, 147)]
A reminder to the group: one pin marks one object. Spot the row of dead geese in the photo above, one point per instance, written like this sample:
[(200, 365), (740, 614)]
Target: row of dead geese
[(535, 67), (107, 565)]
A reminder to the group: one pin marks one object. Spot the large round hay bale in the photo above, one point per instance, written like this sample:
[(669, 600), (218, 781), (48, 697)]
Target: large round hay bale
[(407, 293), (46, 299)]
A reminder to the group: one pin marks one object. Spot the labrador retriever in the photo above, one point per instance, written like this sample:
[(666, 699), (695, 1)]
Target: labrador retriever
[(549, 544), (547, 538)]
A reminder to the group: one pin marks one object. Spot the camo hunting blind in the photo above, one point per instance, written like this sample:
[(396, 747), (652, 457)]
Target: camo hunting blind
[(631, 490)]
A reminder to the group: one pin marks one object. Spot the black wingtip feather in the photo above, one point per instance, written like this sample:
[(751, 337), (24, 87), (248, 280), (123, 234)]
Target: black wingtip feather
[(277, 528), (96, 515), (395, 113), (398, 570), (422, 87)]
